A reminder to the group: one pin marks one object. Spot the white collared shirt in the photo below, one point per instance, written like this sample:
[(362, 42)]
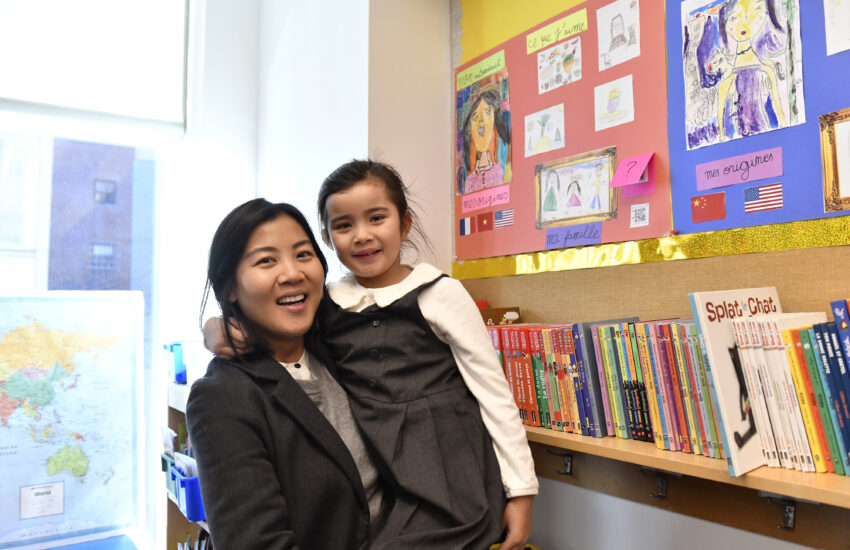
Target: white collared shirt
[(454, 318)]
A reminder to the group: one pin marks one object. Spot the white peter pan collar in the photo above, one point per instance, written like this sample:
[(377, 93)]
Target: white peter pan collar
[(351, 295)]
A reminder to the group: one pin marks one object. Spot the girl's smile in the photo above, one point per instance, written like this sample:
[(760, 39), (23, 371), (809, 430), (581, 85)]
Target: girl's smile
[(367, 231)]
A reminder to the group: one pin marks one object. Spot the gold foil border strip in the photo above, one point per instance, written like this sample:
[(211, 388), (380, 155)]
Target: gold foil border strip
[(747, 240)]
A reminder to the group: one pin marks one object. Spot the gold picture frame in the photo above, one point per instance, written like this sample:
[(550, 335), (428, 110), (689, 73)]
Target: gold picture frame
[(835, 154), (556, 202)]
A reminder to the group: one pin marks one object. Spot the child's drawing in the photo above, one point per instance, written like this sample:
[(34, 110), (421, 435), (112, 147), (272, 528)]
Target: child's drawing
[(614, 103), (576, 189), (836, 17), (544, 130), (742, 67), (559, 65), (483, 140), (618, 29)]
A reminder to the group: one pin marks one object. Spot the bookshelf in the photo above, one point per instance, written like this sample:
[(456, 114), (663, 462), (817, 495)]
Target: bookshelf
[(178, 528), (806, 280)]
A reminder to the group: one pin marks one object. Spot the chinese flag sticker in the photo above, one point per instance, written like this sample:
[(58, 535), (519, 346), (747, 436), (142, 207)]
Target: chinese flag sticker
[(706, 208)]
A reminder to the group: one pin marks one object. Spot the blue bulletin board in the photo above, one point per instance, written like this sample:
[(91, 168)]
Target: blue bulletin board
[(695, 44)]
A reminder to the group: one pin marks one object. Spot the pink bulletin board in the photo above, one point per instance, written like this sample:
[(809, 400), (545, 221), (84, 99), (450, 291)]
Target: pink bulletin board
[(533, 166)]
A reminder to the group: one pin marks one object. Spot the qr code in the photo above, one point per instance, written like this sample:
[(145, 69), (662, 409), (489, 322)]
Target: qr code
[(640, 215)]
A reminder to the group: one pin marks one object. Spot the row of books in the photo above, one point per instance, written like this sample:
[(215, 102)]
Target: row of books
[(740, 381)]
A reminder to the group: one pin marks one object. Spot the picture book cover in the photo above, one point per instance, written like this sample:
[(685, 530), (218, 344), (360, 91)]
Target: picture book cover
[(713, 313)]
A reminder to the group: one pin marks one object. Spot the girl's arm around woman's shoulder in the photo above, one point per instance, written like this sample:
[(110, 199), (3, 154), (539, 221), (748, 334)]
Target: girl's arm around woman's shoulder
[(242, 498), (450, 310)]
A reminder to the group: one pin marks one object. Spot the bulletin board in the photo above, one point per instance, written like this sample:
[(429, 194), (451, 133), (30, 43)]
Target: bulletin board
[(544, 121), (744, 116), (735, 132)]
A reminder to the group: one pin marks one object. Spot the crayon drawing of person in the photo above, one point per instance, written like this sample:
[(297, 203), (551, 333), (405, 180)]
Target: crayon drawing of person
[(595, 203), (486, 142), (749, 101), (553, 189), (618, 36), (574, 194)]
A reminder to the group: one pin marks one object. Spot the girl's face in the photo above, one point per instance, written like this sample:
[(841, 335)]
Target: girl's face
[(279, 283), (482, 126), (746, 18), (367, 231)]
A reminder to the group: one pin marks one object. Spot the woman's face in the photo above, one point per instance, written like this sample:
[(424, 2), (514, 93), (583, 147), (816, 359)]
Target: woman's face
[(279, 283), (481, 126), (745, 19)]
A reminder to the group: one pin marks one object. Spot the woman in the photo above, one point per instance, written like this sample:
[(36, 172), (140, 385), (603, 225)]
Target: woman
[(281, 462)]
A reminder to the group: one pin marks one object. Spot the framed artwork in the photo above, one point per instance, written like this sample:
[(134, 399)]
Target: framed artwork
[(576, 189), (835, 153)]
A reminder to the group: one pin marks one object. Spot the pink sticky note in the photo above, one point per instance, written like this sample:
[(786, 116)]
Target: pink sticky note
[(635, 176), (745, 168)]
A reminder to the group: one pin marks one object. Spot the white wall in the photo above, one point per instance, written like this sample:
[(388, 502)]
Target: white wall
[(568, 517), (313, 79), (410, 107), (213, 169)]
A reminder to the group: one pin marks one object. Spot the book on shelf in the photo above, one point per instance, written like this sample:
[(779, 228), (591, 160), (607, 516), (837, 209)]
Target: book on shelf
[(825, 360), (713, 313)]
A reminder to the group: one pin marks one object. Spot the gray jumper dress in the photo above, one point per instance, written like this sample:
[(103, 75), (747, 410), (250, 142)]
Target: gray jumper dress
[(423, 426)]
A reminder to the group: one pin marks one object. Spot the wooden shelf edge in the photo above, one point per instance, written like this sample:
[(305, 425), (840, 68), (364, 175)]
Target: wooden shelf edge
[(829, 489)]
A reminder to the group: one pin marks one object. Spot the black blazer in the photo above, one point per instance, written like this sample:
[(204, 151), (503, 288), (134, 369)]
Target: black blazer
[(274, 473)]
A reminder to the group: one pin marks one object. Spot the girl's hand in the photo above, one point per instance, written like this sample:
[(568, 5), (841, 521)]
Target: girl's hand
[(517, 520), (216, 342)]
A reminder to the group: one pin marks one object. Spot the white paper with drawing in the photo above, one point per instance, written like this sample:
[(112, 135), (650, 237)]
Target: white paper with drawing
[(743, 68), (618, 29), (559, 65), (544, 130), (614, 103)]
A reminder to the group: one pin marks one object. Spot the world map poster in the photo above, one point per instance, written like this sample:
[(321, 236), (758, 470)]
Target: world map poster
[(70, 366)]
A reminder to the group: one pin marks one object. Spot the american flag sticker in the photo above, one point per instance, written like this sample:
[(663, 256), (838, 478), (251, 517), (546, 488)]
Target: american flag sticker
[(503, 218), (466, 227), (765, 197)]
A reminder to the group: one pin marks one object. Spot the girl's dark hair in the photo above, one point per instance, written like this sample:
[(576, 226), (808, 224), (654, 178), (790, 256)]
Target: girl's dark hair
[(228, 246), (357, 170), (493, 99)]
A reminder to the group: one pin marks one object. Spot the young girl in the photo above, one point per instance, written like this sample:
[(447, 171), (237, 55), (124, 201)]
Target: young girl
[(424, 382)]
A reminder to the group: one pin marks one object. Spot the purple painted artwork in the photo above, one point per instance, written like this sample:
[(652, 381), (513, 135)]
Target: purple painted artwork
[(743, 68)]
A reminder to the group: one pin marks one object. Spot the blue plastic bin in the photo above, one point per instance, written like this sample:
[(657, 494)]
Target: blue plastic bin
[(188, 496), (178, 366)]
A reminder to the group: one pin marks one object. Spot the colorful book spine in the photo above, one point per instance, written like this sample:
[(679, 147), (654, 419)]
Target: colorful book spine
[(670, 405), (842, 342), (811, 399), (629, 381), (823, 406), (580, 380), (825, 362), (570, 351), (715, 399), (840, 376), (652, 397), (698, 411), (528, 344), (603, 383), (615, 393), (704, 393), (675, 385), (593, 406), (808, 413), (545, 345), (684, 384), (637, 375), (622, 369), (561, 360)]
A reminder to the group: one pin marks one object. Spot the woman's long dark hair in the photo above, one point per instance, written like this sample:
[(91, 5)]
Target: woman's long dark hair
[(226, 251)]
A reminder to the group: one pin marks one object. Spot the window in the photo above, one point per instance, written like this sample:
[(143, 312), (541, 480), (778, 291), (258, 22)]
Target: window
[(104, 192)]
